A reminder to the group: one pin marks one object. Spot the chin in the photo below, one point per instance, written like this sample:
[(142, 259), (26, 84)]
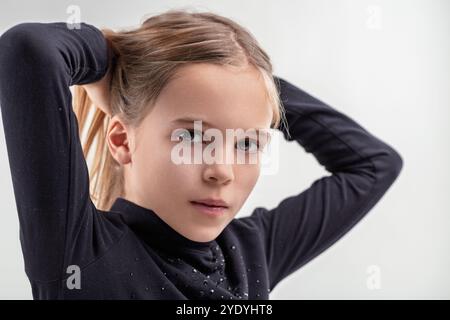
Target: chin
[(205, 235)]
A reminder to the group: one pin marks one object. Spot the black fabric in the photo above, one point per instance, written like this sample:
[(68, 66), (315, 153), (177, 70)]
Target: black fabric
[(129, 252)]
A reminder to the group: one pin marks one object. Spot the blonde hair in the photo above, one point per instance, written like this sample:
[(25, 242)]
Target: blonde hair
[(146, 58)]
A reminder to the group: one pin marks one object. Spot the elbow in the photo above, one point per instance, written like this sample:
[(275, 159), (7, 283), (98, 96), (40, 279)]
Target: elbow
[(27, 54), (18, 35), (388, 167), (395, 163), (22, 41)]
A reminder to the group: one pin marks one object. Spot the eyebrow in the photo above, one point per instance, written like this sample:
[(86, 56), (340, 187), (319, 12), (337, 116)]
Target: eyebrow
[(190, 120)]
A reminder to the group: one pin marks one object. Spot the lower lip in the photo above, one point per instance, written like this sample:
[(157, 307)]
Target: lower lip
[(210, 211)]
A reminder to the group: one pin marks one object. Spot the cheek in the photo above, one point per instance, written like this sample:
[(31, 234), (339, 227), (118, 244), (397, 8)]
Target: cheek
[(174, 178), (150, 164), (183, 177), (246, 178)]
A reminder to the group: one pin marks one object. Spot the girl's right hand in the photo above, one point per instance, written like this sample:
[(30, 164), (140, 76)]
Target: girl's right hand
[(99, 91)]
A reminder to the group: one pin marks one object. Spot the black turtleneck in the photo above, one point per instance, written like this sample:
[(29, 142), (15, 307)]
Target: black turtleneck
[(129, 252)]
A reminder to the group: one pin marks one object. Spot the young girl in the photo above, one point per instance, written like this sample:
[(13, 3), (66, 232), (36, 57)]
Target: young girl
[(157, 229)]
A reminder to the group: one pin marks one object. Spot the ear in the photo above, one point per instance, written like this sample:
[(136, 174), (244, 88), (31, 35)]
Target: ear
[(118, 139)]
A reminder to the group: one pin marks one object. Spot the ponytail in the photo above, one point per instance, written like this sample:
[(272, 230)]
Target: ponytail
[(106, 177)]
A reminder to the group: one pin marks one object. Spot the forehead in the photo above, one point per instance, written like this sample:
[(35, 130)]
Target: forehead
[(224, 96)]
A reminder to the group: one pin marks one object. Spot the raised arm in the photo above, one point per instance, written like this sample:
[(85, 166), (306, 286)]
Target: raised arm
[(362, 169), (38, 63)]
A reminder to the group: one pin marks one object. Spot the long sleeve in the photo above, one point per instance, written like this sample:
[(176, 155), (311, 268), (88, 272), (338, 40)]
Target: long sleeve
[(38, 63), (362, 169)]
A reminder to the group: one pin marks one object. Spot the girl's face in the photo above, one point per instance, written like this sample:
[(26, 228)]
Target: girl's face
[(223, 98)]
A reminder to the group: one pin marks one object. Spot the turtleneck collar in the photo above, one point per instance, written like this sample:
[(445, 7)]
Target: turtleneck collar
[(185, 261), (156, 231)]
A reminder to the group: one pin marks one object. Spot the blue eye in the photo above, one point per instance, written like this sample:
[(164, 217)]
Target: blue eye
[(248, 145), (187, 135), (196, 136)]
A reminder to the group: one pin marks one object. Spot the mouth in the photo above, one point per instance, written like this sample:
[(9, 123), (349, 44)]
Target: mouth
[(213, 208)]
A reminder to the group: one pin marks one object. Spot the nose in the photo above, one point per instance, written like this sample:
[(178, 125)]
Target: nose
[(221, 171)]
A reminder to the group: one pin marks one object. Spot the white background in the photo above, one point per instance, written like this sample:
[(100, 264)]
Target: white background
[(386, 64)]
